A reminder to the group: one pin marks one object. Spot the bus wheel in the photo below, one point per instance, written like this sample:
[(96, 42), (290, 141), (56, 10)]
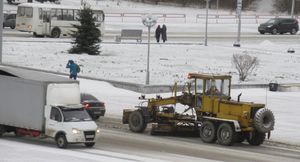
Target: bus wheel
[(55, 33)]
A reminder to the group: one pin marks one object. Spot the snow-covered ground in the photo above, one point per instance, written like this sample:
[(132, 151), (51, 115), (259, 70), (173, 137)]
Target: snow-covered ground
[(168, 63)]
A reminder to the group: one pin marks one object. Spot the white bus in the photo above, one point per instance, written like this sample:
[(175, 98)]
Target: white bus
[(51, 19)]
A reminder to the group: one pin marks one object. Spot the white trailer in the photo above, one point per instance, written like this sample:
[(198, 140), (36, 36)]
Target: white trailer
[(44, 105)]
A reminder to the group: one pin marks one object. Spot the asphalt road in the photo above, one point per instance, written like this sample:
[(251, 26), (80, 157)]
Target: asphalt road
[(117, 137), (185, 37)]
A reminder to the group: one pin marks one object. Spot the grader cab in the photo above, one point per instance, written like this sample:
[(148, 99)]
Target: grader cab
[(208, 111)]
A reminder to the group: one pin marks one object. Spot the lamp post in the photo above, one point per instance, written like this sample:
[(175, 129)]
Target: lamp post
[(1, 30), (206, 21), (293, 7), (149, 21), (238, 12)]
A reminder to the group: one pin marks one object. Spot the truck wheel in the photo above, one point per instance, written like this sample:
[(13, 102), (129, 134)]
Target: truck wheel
[(256, 138), (208, 132), (55, 33), (61, 141), (2, 130), (137, 122), (226, 135), (264, 120), (90, 144)]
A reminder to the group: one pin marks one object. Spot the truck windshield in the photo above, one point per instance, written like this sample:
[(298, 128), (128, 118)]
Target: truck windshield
[(76, 115)]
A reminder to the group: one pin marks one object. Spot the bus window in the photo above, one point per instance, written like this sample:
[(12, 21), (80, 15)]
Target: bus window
[(21, 11), (76, 14), (54, 14), (40, 14), (67, 14)]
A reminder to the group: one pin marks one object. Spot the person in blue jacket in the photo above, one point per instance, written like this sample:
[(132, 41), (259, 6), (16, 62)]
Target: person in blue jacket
[(73, 69)]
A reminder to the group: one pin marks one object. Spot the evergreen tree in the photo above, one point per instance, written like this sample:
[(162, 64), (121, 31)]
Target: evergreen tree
[(87, 36)]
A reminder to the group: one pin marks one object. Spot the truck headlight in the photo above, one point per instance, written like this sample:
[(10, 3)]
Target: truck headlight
[(269, 26), (98, 130), (75, 131)]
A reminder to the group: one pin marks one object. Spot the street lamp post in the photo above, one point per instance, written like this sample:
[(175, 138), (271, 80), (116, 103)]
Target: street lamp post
[(1, 30), (293, 7), (206, 21), (149, 21), (238, 12)]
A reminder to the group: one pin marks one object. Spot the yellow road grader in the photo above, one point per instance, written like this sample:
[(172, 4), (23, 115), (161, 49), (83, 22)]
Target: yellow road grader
[(209, 111)]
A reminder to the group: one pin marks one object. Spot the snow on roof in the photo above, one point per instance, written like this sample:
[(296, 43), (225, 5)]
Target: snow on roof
[(33, 75)]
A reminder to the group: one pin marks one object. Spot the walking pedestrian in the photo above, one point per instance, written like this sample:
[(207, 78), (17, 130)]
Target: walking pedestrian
[(164, 33), (158, 33), (74, 69)]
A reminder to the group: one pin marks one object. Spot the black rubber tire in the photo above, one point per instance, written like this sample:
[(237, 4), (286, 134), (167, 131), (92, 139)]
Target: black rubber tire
[(274, 31), (12, 27), (2, 130), (55, 33), (293, 31), (262, 32), (137, 122), (264, 120), (256, 138), (208, 132), (90, 144), (226, 135), (61, 141)]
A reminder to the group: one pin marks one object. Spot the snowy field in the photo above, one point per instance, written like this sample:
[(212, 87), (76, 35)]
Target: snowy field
[(168, 63)]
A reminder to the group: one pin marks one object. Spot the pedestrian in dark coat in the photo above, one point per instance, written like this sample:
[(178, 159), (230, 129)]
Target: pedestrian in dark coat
[(164, 33), (73, 69), (157, 33)]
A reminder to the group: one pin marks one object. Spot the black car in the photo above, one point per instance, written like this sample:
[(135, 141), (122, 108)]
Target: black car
[(279, 25), (93, 106), (9, 20)]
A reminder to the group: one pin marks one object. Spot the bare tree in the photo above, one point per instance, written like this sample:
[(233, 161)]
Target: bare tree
[(245, 64)]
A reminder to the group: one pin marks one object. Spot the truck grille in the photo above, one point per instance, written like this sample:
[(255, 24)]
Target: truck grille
[(89, 135)]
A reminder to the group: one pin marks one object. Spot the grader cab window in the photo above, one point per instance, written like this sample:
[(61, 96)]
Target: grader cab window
[(217, 87)]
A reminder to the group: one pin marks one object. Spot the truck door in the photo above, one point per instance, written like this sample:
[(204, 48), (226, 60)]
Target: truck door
[(54, 122), (46, 22)]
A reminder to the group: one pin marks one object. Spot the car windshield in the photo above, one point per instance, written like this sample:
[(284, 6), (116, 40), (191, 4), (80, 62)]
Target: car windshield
[(85, 96), (75, 115), (272, 21)]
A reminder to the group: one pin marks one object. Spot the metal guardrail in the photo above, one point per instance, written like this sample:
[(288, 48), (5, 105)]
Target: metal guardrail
[(216, 18), (128, 17)]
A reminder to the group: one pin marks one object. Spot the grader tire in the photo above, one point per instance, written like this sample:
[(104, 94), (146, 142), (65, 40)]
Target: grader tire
[(256, 138), (226, 135), (264, 120), (137, 122), (208, 132)]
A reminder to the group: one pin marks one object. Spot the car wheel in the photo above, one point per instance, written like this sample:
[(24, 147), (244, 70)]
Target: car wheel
[(261, 32), (12, 27), (293, 31), (61, 141), (274, 31)]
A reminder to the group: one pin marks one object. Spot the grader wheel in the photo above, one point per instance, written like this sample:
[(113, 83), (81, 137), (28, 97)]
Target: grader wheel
[(226, 135), (264, 120), (256, 138), (137, 122), (208, 132)]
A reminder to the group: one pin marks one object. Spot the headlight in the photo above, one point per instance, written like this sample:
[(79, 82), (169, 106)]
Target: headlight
[(269, 26), (75, 131), (98, 130)]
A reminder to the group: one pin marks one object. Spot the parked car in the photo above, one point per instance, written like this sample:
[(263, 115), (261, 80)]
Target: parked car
[(9, 20), (279, 25), (93, 106)]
